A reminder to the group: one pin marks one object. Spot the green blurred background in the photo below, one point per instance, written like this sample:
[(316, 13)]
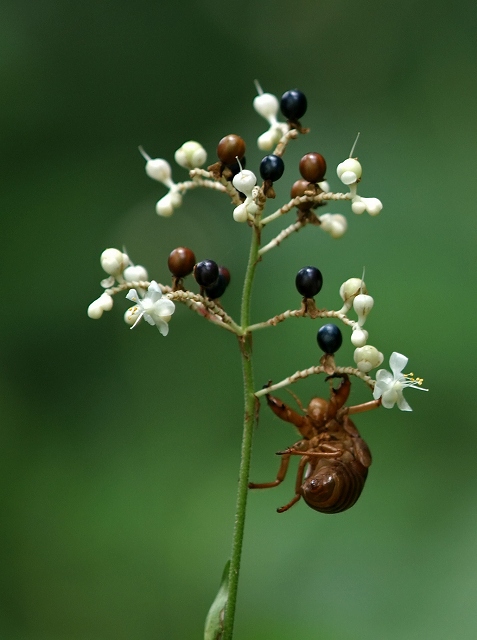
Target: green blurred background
[(120, 449)]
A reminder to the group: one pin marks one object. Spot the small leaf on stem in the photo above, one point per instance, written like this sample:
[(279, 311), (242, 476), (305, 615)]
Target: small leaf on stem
[(214, 623)]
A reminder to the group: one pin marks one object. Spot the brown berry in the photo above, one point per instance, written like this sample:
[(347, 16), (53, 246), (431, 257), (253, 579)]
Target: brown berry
[(223, 271), (230, 148), (298, 189), (313, 167), (181, 262)]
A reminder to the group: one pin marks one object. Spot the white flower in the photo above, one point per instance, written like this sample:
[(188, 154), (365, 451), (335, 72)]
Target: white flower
[(389, 387), (155, 309)]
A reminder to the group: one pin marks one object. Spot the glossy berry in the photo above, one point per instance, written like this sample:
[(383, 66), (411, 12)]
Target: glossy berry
[(313, 167), (272, 168), (206, 273), (231, 147), (329, 338), (298, 189), (217, 290), (181, 262), (293, 104), (223, 271), (309, 281)]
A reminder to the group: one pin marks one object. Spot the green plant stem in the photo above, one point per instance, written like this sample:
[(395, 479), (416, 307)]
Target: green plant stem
[(245, 342)]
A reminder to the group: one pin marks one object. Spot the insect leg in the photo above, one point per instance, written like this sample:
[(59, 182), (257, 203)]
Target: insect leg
[(282, 472), (285, 412), (330, 453), (339, 395), (298, 483), (365, 406)]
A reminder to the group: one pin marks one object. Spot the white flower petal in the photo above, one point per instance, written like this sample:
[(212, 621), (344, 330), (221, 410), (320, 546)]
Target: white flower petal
[(148, 318), (164, 307), (389, 399), (163, 327), (402, 404), (397, 362), (132, 295), (107, 282), (384, 377)]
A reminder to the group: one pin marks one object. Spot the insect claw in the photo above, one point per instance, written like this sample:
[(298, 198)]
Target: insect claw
[(268, 384)]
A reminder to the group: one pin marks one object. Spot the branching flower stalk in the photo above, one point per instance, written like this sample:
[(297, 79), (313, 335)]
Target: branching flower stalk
[(329, 437)]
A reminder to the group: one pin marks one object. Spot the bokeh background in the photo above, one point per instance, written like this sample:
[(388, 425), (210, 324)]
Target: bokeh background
[(120, 449)]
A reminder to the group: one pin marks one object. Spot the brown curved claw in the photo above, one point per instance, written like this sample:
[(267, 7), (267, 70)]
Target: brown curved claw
[(284, 412), (339, 395)]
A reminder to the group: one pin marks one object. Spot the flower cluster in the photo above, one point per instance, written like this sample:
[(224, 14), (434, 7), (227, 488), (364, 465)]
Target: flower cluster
[(155, 302)]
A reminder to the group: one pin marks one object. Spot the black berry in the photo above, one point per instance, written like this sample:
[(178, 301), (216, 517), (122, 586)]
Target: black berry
[(293, 104), (313, 167), (206, 273), (231, 147), (309, 281), (217, 290), (272, 168), (181, 262), (329, 338)]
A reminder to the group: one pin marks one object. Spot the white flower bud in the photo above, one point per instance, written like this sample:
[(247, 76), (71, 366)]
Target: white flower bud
[(131, 315), (339, 225), (359, 337), (362, 304), (352, 288), (240, 213), (349, 171), (164, 206), (325, 220), (176, 198), (135, 273), (159, 169), (367, 358), (114, 261), (358, 206), (267, 141), (245, 181), (266, 105), (95, 310), (103, 303), (106, 301), (324, 186), (373, 206), (190, 155)]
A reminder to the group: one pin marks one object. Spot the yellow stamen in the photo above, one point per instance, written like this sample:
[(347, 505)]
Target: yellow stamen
[(410, 377)]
